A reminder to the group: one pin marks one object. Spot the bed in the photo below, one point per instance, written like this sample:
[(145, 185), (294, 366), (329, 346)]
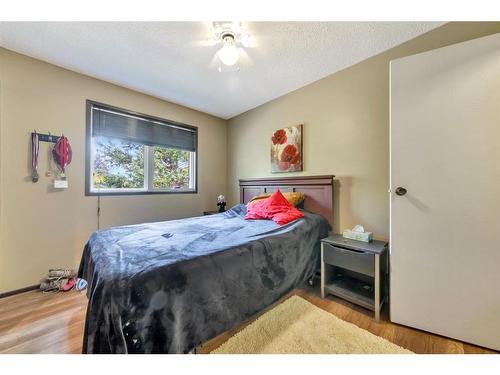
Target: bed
[(167, 287)]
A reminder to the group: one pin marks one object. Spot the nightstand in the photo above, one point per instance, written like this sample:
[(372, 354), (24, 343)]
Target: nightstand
[(205, 213), (355, 271)]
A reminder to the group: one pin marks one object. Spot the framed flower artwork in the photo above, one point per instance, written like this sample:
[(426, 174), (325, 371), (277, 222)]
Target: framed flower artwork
[(286, 150)]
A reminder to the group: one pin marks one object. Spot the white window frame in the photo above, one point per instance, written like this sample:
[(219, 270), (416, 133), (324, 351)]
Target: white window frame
[(148, 167)]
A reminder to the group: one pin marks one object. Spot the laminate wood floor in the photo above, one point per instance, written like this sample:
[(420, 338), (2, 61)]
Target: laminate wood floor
[(34, 322)]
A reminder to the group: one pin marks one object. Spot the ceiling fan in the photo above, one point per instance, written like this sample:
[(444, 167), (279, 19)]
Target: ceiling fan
[(233, 39)]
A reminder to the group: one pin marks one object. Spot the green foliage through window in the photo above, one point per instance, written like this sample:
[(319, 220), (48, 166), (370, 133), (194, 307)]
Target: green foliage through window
[(118, 164), (121, 165), (171, 168)]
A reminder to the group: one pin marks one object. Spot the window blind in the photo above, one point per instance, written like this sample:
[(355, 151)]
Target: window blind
[(110, 123)]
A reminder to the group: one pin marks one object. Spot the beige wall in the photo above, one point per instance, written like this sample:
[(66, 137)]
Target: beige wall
[(41, 227), (346, 131)]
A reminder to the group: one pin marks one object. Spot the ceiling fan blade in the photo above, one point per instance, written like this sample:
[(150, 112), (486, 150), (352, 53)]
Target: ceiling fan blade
[(209, 42), (214, 63), (245, 59)]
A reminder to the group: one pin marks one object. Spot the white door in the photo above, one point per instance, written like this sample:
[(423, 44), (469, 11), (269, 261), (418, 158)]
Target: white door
[(445, 231)]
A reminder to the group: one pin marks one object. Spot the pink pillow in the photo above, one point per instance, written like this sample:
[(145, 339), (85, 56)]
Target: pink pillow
[(276, 207)]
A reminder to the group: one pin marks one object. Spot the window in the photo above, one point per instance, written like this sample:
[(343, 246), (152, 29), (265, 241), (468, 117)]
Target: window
[(129, 153)]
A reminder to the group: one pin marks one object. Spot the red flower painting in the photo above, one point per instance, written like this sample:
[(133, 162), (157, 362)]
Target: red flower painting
[(279, 137), (286, 149)]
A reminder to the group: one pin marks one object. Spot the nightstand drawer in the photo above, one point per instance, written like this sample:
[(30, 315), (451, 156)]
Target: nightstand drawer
[(352, 260)]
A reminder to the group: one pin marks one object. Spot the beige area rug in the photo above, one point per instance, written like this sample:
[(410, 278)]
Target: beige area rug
[(296, 326)]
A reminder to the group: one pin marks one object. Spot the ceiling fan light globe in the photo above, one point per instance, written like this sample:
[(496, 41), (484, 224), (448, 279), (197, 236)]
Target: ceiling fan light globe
[(228, 55)]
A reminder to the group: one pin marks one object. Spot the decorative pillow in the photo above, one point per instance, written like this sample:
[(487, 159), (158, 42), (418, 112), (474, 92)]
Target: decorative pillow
[(287, 216), (276, 207), (278, 199), (258, 198), (257, 210), (294, 198)]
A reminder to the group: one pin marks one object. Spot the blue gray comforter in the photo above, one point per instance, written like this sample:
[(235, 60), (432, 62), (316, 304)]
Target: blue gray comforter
[(167, 287)]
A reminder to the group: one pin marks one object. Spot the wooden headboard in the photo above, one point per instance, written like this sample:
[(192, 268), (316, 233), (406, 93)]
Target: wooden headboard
[(318, 191)]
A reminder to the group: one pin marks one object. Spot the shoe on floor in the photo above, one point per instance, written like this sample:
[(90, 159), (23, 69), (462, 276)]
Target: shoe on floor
[(60, 273), (53, 285), (81, 284)]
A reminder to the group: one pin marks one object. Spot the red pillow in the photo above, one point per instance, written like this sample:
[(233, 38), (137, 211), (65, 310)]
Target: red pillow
[(278, 199), (287, 216), (258, 210), (265, 208), (276, 207)]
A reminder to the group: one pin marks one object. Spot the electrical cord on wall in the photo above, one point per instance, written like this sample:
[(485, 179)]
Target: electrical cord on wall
[(98, 209)]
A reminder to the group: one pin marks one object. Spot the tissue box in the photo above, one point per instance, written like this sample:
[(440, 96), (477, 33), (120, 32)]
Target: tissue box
[(358, 236)]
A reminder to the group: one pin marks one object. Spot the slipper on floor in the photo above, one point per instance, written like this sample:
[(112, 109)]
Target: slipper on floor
[(69, 285)]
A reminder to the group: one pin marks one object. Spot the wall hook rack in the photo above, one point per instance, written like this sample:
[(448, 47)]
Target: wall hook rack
[(48, 137)]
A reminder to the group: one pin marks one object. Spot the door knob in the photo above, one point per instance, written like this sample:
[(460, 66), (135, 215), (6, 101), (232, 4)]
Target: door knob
[(401, 191)]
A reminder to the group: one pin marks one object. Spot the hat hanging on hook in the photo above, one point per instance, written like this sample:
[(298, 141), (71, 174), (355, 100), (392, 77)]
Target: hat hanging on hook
[(62, 154)]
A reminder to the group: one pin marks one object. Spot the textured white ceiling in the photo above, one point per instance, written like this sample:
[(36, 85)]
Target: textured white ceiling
[(171, 60)]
